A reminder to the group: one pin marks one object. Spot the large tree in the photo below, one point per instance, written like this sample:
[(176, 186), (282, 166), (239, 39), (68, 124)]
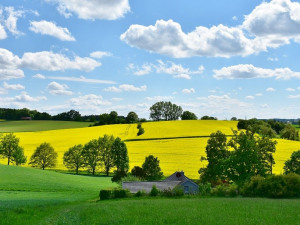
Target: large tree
[(216, 151), (73, 158), (44, 156), (165, 111), (187, 115), (8, 145), (120, 159), (290, 133), (105, 144), (132, 117), (92, 155), (151, 168), (292, 165), (18, 156)]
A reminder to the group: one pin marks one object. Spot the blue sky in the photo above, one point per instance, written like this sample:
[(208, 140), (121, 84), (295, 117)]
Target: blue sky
[(219, 58)]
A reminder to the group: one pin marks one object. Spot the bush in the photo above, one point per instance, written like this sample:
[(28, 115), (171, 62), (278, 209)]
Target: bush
[(141, 130), (140, 193), (276, 186), (204, 189), (225, 190), (137, 171), (175, 192), (154, 191), (118, 176), (105, 194), (120, 193)]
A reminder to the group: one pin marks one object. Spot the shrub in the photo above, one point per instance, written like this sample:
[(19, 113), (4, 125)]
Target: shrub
[(154, 191), (137, 171), (120, 193), (141, 131), (276, 186), (118, 176), (219, 191), (140, 193), (225, 190), (105, 194), (204, 189), (175, 192), (167, 192)]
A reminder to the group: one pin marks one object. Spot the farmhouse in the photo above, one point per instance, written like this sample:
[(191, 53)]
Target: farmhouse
[(177, 179)]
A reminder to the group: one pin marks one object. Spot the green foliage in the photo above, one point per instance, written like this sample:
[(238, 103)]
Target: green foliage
[(108, 157), (151, 168), (130, 178), (9, 144), (137, 171), (140, 193), (73, 158), (44, 156), (105, 194), (132, 117), (290, 133), (187, 115), (120, 193), (117, 177), (92, 155), (120, 157), (18, 156), (216, 151), (141, 129), (165, 111), (204, 189), (275, 186), (208, 118), (154, 191), (293, 164), (175, 192), (225, 190)]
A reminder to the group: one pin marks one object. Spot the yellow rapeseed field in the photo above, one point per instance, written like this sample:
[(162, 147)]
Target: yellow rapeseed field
[(174, 154)]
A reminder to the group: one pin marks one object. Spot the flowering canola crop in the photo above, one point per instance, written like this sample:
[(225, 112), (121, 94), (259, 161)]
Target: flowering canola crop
[(174, 154)]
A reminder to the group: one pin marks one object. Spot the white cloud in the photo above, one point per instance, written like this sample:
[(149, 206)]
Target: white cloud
[(259, 94), (13, 86), (126, 87), (117, 99), (177, 70), (24, 97), (55, 88), (50, 28), (188, 91), (167, 38), (39, 76), (7, 74), (249, 97), (82, 79), (99, 54), (273, 59), (90, 100), (294, 96), (290, 89), (160, 98), (12, 19), (96, 9), (276, 19), (3, 34), (270, 89), (56, 62), (250, 71)]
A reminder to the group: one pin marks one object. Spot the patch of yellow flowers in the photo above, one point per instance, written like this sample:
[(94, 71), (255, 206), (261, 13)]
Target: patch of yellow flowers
[(174, 154)]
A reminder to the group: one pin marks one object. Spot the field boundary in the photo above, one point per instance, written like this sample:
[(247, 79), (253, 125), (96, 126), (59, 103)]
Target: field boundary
[(168, 138)]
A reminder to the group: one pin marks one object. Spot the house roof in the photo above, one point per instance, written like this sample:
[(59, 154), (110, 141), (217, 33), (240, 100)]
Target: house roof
[(147, 185), (179, 176)]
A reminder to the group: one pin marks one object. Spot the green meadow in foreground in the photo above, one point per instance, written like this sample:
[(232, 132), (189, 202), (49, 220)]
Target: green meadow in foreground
[(39, 125), (33, 196)]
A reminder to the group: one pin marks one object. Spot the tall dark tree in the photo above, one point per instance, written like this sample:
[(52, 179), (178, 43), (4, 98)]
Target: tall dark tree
[(120, 158), (73, 158), (151, 168), (290, 133), (8, 145), (187, 115), (92, 155), (216, 151), (292, 165), (113, 117), (44, 156), (132, 117)]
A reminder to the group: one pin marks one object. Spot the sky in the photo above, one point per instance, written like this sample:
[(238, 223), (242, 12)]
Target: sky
[(225, 59)]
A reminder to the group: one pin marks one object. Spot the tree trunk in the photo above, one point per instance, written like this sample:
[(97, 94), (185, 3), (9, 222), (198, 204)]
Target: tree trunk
[(107, 171), (77, 170), (8, 160)]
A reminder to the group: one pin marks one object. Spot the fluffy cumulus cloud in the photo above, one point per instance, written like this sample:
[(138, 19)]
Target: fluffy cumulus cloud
[(13, 86), (250, 71), (90, 102), (161, 67), (160, 98), (96, 9), (126, 87), (50, 28), (11, 65), (269, 25), (39, 76), (11, 17), (3, 34), (167, 38), (23, 97), (55, 88), (270, 89), (188, 91)]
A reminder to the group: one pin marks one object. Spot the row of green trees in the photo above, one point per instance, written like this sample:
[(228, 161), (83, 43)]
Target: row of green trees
[(241, 157)]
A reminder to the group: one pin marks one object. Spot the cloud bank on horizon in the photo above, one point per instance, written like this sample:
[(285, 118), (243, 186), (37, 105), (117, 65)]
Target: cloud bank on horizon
[(98, 56)]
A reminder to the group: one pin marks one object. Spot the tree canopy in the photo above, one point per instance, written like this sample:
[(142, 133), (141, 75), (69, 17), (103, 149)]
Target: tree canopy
[(44, 156), (292, 165), (165, 111), (187, 115), (9, 145), (151, 168), (73, 158)]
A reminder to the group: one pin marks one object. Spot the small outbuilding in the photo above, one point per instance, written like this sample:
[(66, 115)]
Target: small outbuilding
[(177, 179)]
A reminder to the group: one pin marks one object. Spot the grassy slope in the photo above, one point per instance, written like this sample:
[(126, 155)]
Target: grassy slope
[(39, 125)]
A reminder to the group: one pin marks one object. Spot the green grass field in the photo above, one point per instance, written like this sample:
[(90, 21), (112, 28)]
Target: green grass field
[(32, 196), (39, 125)]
